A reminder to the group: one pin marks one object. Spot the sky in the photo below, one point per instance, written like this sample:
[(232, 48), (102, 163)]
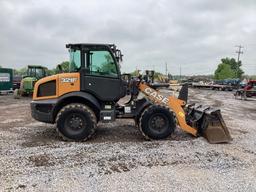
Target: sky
[(189, 36)]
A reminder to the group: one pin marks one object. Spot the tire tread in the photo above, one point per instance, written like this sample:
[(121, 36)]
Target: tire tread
[(147, 111), (77, 106)]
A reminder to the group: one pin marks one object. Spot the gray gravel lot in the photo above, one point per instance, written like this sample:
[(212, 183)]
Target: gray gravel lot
[(117, 158)]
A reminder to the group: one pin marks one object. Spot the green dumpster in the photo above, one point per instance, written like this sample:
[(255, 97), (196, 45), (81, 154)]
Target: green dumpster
[(6, 80)]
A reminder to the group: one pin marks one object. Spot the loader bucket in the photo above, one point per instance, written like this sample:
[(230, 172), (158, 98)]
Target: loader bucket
[(209, 123)]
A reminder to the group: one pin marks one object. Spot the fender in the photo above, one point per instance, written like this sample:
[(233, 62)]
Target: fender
[(77, 97)]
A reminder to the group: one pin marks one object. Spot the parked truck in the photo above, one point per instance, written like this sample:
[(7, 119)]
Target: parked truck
[(249, 90)]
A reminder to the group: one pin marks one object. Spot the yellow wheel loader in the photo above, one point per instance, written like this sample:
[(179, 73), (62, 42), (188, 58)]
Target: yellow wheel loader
[(89, 93)]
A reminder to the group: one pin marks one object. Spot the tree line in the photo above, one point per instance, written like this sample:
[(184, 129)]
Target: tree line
[(229, 68), (64, 66)]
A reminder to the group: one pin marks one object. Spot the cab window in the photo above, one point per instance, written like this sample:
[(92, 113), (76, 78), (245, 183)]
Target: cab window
[(74, 60), (102, 64), (39, 72)]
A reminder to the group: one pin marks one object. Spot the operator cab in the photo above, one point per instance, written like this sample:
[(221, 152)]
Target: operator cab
[(36, 71), (98, 65)]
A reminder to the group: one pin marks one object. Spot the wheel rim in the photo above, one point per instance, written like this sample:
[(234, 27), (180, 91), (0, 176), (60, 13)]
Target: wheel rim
[(158, 123), (75, 123)]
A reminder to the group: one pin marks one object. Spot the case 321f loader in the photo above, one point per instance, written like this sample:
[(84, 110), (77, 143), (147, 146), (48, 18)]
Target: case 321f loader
[(89, 93)]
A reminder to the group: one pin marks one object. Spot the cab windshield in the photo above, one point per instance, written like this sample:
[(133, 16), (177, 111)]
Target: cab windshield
[(37, 72), (74, 60)]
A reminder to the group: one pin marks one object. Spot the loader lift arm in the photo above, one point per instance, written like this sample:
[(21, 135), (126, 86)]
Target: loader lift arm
[(208, 124)]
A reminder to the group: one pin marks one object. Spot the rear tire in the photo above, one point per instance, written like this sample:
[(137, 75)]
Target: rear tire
[(76, 122), (157, 122)]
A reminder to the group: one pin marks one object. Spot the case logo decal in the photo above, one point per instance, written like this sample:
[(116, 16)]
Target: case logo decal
[(156, 95)]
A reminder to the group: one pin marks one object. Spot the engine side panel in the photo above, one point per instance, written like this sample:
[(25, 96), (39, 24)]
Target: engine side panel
[(65, 83)]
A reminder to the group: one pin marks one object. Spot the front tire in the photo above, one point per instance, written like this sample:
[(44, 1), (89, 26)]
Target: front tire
[(157, 122), (76, 122)]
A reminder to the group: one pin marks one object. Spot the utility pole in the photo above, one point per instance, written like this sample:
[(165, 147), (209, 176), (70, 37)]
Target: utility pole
[(239, 52), (166, 69), (240, 47), (180, 71)]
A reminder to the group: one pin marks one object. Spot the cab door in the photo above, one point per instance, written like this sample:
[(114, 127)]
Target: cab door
[(102, 77)]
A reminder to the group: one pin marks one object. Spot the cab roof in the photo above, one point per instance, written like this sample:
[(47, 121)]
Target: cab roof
[(83, 46), (89, 45)]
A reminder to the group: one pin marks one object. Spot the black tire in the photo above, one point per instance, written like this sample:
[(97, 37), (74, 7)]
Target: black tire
[(76, 122), (157, 122)]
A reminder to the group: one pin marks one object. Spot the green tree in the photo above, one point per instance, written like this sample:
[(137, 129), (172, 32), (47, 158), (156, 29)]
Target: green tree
[(20, 72), (50, 71), (229, 68), (64, 66), (224, 71)]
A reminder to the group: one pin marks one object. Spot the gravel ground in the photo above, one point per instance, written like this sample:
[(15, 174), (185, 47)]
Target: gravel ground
[(117, 158)]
